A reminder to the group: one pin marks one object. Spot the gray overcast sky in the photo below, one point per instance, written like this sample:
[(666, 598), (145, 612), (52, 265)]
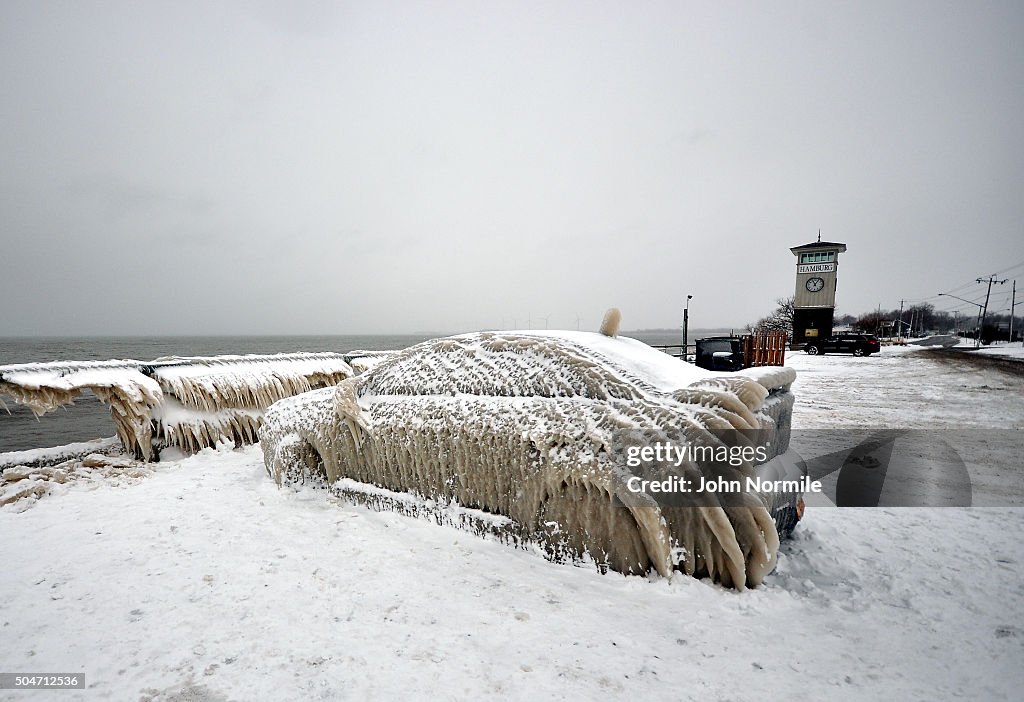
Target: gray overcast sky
[(215, 168)]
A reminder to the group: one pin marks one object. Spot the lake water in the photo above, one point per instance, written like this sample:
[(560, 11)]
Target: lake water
[(89, 419)]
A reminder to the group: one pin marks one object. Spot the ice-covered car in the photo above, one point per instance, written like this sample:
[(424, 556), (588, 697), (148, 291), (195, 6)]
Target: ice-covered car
[(531, 438)]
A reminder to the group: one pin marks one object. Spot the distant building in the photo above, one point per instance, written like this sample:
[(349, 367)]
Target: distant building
[(814, 303)]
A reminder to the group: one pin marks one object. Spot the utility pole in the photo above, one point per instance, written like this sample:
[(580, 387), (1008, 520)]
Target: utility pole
[(901, 320), (1013, 305), (984, 312)]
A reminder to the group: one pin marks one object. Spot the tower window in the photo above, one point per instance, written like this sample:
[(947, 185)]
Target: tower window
[(818, 257)]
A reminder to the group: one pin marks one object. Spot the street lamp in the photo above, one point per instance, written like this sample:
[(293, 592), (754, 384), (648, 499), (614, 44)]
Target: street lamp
[(686, 328), (977, 330)]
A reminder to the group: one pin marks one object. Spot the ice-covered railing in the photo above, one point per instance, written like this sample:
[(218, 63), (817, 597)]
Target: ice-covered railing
[(130, 393), (190, 403), (530, 426), (362, 361), (216, 382), (223, 397)]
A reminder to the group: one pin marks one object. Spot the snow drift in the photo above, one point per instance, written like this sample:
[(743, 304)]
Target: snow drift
[(520, 435), (190, 403)]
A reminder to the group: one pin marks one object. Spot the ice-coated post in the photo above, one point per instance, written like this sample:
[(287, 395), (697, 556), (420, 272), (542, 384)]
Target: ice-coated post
[(686, 328)]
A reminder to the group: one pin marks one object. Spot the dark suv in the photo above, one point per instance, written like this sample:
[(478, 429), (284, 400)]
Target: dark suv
[(857, 344)]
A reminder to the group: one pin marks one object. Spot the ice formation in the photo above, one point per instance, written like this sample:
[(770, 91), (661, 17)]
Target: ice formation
[(528, 428), (362, 361), (25, 483), (611, 321), (211, 399), (131, 395), (190, 403)]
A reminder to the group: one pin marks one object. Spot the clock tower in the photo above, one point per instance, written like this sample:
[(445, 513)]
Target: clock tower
[(814, 302)]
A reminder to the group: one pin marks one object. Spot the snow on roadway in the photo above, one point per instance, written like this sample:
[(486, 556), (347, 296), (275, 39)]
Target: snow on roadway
[(953, 405), (904, 386), (1001, 350), (206, 582)]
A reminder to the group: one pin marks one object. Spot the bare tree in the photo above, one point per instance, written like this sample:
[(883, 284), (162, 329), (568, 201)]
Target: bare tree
[(871, 323), (780, 319)]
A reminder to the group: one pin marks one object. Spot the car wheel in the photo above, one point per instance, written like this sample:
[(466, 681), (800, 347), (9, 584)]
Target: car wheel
[(812, 350), (858, 352)]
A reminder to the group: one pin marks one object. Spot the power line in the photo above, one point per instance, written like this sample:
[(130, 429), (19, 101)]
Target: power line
[(1005, 270), (997, 296), (974, 282)]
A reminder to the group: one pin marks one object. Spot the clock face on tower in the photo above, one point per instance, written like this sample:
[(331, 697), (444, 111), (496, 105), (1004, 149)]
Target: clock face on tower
[(814, 284)]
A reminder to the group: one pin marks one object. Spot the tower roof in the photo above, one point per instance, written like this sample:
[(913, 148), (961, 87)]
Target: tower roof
[(819, 245)]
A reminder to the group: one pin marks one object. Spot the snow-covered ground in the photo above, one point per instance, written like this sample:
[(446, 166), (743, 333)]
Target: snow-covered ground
[(204, 581), (1002, 349), (953, 407), (1014, 351)]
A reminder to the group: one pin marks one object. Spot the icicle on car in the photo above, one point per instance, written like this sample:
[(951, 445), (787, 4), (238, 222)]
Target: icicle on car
[(518, 435)]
